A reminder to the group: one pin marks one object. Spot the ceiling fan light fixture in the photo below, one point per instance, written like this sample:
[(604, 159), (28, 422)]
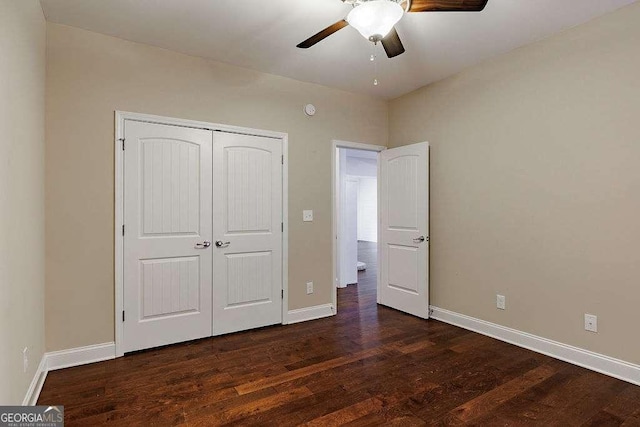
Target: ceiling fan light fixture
[(374, 19)]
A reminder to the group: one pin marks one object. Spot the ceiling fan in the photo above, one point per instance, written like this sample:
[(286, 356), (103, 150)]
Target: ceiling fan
[(376, 19)]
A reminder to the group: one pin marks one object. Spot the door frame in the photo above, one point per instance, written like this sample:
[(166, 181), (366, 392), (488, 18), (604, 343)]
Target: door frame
[(120, 118), (335, 144)]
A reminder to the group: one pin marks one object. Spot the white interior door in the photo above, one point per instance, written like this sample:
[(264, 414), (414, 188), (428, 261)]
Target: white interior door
[(349, 232), (404, 233), (167, 215), (247, 217), (368, 209)]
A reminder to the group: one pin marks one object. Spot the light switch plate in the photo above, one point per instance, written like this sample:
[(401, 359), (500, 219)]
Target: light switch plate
[(307, 215)]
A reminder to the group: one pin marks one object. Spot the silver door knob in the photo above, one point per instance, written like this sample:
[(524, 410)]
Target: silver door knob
[(203, 245), (420, 239), (221, 244)]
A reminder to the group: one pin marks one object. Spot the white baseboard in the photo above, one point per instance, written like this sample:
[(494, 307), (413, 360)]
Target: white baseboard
[(616, 368), (80, 356), (33, 392), (310, 313), (66, 359)]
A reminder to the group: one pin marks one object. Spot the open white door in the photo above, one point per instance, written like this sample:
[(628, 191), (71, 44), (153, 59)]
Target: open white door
[(348, 232), (403, 239), (247, 217), (167, 258)]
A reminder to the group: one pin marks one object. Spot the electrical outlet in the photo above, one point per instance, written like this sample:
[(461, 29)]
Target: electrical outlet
[(309, 288), (25, 359), (501, 302), (307, 215), (590, 323)]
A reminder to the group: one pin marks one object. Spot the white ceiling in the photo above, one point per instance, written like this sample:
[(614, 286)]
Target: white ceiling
[(262, 35)]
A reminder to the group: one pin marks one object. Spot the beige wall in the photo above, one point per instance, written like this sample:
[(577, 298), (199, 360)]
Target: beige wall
[(91, 75), (22, 79), (535, 184)]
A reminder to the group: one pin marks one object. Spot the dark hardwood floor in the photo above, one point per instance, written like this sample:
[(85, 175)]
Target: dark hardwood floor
[(368, 365)]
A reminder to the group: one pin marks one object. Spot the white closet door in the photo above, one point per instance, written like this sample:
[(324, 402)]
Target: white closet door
[(247, 217), (404, 229), (168, 220)]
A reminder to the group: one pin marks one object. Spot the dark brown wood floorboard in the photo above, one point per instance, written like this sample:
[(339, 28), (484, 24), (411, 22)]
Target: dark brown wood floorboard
[(369, 365)]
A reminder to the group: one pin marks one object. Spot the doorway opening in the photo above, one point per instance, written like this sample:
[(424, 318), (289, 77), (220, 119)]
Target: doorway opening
[(356, 222)]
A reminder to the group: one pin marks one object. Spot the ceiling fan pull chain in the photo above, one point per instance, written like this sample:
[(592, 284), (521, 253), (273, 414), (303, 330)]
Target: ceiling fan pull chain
[(375, 71), (373, 58)]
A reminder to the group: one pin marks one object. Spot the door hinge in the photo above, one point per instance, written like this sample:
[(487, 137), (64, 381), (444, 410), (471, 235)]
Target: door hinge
[(282, 159), (282, 226), (282, 293), (123, 315), (123, 229), (122, 139)]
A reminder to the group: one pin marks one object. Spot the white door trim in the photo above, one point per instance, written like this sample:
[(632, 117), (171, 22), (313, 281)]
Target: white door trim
[(120, 117), (335, 144)]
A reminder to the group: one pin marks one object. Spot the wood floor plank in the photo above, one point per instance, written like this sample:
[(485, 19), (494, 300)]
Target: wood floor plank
[(626, 403), (416, 346), (490, 400), (603, 419), (367, 366), (306, 371), (348, 414), (633, 420), (250, 408), (316, 406)]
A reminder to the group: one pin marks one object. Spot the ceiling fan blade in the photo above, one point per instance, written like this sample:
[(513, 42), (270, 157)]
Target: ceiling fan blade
[(323, 34), (392, 44), (447, 5)]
